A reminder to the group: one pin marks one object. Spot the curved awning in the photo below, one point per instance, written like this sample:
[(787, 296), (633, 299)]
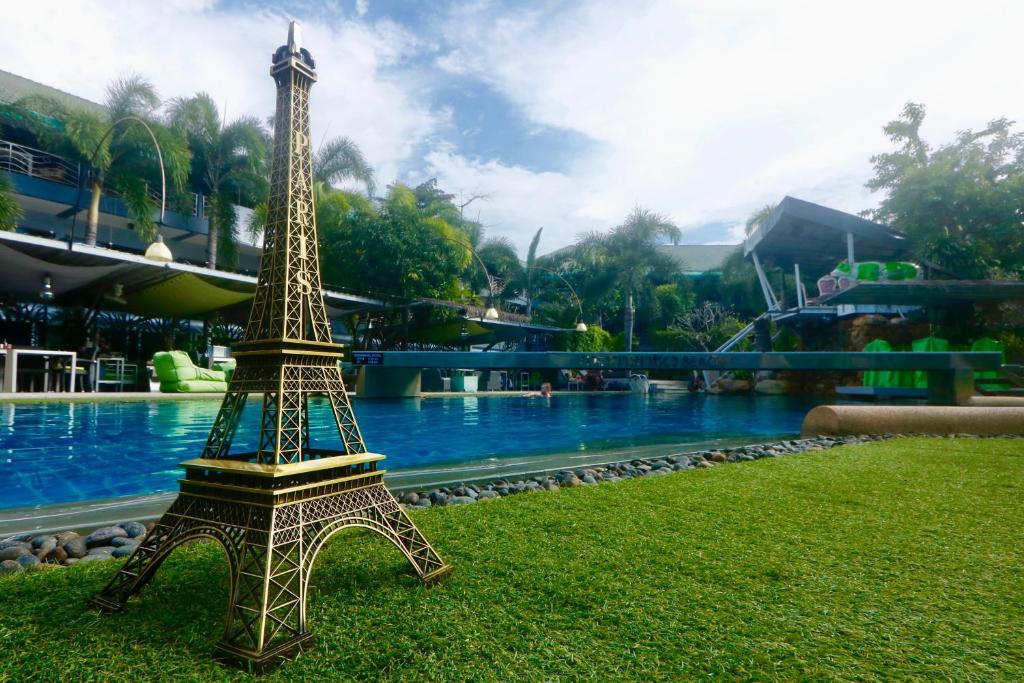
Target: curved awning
[(81, 275), (182, 295)]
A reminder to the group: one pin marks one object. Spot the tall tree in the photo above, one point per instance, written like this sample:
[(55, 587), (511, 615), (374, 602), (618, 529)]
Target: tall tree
[(626, 258), (10, 211), (531, 271), (498, 254), (392, 251), (962, 204), (123, 160), (341, 159), (228, 167)]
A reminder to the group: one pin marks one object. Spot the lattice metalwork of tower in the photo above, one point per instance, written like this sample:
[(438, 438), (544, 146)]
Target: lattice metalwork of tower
[(274, 508)]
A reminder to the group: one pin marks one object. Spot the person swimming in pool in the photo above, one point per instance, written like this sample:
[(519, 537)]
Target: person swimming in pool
[(545, 391)]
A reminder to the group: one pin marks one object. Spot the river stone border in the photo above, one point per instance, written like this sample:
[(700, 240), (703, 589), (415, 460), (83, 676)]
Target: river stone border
[(31, 551), (465, 494)]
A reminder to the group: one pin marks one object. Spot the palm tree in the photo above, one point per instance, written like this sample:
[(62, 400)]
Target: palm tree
[(626, 257), (758, 218), (341, 159), (531, 264), (228, 167), (118, 153), (10, 212), (337, 160)]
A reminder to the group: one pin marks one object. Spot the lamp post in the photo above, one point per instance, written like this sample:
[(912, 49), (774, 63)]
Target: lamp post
[(580, 325)]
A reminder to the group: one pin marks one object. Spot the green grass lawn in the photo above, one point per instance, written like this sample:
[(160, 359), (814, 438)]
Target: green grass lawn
[(893, 560)]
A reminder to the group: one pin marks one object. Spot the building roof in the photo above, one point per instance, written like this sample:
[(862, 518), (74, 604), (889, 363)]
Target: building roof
[(810, 234), (14, 87), (695, 259)]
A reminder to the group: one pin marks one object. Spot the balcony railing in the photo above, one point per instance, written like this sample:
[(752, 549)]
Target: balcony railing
[(16, 158), (36, 163)]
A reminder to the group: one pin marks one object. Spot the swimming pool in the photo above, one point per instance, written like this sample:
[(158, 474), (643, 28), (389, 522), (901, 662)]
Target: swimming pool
[(68, 452)]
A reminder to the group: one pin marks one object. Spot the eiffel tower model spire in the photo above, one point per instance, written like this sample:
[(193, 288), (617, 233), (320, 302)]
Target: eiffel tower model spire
[(274, 508)]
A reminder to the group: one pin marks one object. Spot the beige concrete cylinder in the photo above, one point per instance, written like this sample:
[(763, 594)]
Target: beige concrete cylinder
[(997, 401), (839, 420)]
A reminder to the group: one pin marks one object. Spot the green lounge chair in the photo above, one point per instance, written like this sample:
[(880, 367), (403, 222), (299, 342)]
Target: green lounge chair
[(178, 374), (993, 379), (879, 378), (927, 344)]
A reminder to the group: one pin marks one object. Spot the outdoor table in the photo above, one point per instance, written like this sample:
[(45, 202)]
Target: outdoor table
[(11, 354)]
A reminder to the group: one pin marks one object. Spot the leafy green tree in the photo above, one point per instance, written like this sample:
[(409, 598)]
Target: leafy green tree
[(434, 202), (962, 204), (626, 263), (123, 161), (701, 328), (498, 254), (736, 287), (337, 161), (394, 251), (10, 211), (594, 339), (228, 167), (670, 301)]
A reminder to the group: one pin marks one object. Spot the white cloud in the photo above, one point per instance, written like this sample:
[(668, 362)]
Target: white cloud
[(709, 110), (186, 46), (514, 200), (705, 111)]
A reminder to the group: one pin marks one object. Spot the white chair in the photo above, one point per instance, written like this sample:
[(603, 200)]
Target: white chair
[(215, 354)]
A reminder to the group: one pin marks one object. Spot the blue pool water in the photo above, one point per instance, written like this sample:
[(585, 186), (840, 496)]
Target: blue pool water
[(66, 452)]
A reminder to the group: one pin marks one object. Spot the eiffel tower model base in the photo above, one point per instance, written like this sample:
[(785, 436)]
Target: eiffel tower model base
[(272, 526)]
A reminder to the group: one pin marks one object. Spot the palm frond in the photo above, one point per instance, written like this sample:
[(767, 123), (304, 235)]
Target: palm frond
[(531, 252), (758, 218), (134, 192), (257, 222), (341, 159), (131, 95), (226, 216), (10, 210), (196, 117)]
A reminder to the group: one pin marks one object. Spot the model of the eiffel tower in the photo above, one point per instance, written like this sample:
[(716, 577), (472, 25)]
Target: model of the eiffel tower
[(273, 509)]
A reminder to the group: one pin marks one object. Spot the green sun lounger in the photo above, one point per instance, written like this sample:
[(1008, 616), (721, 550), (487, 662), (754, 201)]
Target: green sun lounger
[(927, 344), (178, 374), (880, 378), (993, 379)]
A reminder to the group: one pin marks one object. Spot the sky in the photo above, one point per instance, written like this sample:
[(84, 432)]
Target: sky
[(566, 115)]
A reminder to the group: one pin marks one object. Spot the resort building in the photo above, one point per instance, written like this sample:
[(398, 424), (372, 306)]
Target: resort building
[(698, 260), (50, 189)]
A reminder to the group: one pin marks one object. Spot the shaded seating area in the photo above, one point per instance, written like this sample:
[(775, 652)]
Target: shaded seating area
[(35, 369), (178, 374)]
